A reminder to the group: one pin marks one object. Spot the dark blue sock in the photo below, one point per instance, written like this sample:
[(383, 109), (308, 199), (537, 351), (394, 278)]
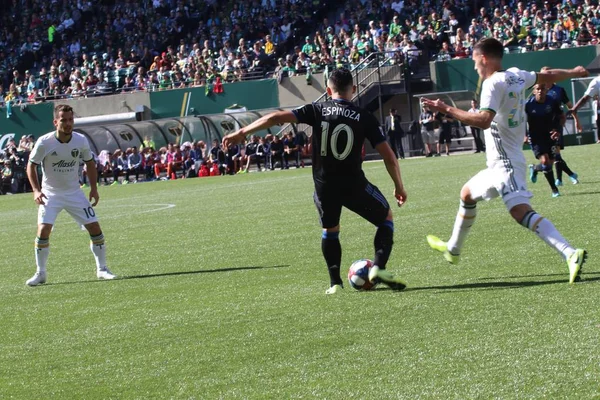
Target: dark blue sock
[(332, 251), (383, 242)]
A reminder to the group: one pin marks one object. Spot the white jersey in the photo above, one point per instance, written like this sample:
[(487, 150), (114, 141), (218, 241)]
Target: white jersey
[(593, 88), (60, 161), (504, 94)]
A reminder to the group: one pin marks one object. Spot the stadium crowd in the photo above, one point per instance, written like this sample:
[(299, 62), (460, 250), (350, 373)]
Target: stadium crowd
[(63, 49)]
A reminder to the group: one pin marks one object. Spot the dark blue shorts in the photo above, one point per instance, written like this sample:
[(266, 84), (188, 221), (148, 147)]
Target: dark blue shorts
[(361, 197), (549, 147)]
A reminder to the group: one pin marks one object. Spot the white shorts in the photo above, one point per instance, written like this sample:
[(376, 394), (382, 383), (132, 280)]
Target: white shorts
[(74, 203), (509, 184)]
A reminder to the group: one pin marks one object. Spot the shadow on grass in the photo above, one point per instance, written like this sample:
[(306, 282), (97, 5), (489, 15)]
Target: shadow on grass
[(498, 283), (176, 273), (582, 193)]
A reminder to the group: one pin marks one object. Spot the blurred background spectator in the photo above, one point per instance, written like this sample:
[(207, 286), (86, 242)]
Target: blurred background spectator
[(68, 49)]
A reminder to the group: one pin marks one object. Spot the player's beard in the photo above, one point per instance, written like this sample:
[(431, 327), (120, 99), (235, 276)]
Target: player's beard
[(65, 133)]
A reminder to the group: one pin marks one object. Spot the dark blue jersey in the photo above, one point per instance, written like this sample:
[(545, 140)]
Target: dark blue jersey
[(339, 132), (542, 118), (558, 93)]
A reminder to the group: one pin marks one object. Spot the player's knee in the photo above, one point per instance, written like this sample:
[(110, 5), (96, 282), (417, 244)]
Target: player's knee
[(44, 230), (547, 166), (465, 195), (94, 229), (519, 211)]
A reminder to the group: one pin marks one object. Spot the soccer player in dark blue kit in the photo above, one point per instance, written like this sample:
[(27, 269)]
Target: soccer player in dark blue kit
[(559, 94), (339, 131), (544, 120)]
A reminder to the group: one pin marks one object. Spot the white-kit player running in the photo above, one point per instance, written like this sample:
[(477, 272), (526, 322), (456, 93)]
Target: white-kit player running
[(502, 115), (59, 153)]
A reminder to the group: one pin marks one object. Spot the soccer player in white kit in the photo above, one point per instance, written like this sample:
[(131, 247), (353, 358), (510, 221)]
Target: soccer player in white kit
[(502, 115), (59, 153), (592, 91)]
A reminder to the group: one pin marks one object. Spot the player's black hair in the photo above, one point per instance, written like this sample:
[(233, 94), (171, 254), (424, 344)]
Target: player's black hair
[(340, 80), (490, 47)]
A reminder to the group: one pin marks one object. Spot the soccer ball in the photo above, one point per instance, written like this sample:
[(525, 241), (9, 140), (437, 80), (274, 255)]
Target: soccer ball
[(358, 275)]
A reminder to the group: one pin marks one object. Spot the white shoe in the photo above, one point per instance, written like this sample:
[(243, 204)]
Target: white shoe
[(105, 274), (334, 289), (37, 279)]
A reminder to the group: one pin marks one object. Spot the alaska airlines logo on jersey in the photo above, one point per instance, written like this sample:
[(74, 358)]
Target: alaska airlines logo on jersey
[(64, 164), (514, 80), (341, 111), (548, 109), (75, 153)]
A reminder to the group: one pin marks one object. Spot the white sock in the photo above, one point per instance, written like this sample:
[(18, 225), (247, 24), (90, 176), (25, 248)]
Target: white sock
[(465, 218), (98, 248), (548, 233), (42, 251)]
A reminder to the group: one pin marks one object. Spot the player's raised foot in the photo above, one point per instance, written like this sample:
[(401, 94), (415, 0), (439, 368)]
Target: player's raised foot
[(37, 279), (104, 273), (575, 262), (377, 274), (115, 183), (558, 182), (335, 289), (441, 246), (556, 194), (574, 179), (532, 173)]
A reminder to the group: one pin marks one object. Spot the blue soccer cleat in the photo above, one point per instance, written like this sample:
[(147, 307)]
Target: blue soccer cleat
[(558, 182), (556, 194), (574, 179), (532, 173)]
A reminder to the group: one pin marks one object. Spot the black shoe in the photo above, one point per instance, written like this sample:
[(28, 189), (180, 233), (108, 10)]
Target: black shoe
[(437, 155), (429, 155)]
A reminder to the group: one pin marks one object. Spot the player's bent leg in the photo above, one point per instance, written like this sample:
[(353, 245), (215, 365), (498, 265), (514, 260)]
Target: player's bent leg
[(383, 242), (465, 218), (545, 230)]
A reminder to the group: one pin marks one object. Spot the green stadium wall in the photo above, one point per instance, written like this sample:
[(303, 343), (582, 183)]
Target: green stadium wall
[(35, 119), (457, 75), (254, 95)]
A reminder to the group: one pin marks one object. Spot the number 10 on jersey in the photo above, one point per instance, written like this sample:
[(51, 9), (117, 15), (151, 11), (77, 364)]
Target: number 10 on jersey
[(334, 138)]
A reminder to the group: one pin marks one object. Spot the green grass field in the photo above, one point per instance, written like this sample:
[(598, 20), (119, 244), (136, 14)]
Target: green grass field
[(223, 295)]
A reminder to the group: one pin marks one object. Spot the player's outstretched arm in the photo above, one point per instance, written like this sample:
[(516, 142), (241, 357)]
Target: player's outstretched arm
[(550, 76), (391, 164), (267, 121), (482, 119)]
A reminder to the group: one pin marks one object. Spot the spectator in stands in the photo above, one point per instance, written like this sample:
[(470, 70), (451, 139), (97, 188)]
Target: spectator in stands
[(6, 178), (122, 168), (217, 157), (174, 162), (250, 155), (427, 131), (134, 164), (289, 149), (277, 152)]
